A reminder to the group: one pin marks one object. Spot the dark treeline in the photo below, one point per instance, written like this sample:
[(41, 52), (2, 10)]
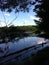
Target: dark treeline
[(42, 9), (15, 31)]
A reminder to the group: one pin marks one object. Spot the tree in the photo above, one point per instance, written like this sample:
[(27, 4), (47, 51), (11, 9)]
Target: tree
[(42, 10), (18, 5)]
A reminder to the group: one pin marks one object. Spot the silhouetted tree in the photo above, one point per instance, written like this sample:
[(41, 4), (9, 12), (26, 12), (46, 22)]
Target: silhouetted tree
[(18, 5), (42, 10)]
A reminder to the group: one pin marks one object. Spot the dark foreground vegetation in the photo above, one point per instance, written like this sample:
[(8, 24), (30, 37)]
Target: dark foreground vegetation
[(40, 58), (10, 33)]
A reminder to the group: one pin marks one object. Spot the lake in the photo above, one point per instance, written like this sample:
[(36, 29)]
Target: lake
[(19, 47)]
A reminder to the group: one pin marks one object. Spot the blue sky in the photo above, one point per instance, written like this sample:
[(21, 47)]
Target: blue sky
[(21, 18)]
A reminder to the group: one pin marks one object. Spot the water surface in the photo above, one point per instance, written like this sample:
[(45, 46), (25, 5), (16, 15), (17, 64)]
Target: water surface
[(19, 44)]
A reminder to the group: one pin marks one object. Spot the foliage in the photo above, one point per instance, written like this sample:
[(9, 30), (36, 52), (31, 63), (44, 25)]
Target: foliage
[(18, 5), (42, 57), (15, 31), (42, 10)]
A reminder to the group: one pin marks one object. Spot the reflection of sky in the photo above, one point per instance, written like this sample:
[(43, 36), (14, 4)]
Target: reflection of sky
[(20, 50), (20, 44), (22, 18)]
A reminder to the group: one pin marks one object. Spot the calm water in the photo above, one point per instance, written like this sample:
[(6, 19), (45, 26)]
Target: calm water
[(19, 49), (21, 43)]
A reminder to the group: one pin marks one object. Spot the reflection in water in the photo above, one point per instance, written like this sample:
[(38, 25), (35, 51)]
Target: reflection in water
[(4, 49), (20, 43), (19, 49), (1, 50)]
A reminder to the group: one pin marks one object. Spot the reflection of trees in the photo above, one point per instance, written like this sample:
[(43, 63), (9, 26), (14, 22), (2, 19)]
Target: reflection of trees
[(5, 49)]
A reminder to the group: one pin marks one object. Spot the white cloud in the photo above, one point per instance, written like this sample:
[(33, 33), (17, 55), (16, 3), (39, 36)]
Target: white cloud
[(2, 24), (7, 14), (25, 21), (34, 18)]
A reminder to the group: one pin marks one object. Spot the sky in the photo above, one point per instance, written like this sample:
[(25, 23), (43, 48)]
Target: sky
[(17, 19)]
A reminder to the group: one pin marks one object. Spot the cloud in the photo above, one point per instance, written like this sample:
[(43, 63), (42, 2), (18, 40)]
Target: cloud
[(2, 24), (7, 14), (34, 18), (25, 21)]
